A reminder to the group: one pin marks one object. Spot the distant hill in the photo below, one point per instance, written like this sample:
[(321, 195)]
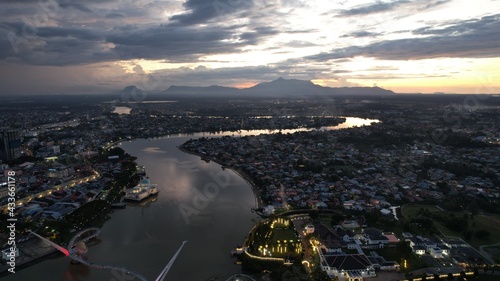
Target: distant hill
[(130, 94), (279, 88), (285, 88)]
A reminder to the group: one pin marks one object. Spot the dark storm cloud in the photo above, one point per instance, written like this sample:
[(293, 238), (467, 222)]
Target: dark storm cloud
[(61, 51), (75, 6), (52, 45), (163, 36), (341, 71), (255, 36), (57, 1), (60, 2), (199, 11), (372, 8), (202, 11), (176, 40), (73, 32), (210, 11), (66, 46), (170, 42), (360, 34), (115, 16), (462, 27), (381, 7), (468, 39)]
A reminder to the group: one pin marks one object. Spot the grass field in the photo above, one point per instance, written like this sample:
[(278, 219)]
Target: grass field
[(413, 261), (487, 222), (494, 253)]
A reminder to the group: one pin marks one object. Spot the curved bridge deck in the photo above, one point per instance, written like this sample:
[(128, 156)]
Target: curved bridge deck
[(89, 233), (92, 233)]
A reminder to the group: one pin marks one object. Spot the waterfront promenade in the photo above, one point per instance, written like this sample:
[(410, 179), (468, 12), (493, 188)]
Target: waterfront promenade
[(30, 252)]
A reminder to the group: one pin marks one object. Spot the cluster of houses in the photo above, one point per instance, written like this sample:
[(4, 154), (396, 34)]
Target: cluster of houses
[(454, 250), (349, 251), (423, 245), (61, 202), (343, 251), (315, 170), (49, 194)]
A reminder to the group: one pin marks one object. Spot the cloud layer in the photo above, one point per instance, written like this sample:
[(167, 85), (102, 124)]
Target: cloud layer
[(238, 41)]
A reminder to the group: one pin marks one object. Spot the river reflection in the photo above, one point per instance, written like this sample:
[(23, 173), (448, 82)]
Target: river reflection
[(349, 123), (122, 110), (197, 201)]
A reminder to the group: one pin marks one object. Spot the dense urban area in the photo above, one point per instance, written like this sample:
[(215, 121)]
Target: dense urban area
[(413, 196)]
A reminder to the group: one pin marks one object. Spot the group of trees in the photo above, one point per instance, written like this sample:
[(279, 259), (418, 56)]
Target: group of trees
[(424, 219), (460, 202), (421, 223)]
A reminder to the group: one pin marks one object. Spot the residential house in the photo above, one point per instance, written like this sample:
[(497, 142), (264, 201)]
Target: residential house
[(350, 267)]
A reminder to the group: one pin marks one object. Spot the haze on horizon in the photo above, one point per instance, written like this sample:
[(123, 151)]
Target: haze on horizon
[(98, 46)]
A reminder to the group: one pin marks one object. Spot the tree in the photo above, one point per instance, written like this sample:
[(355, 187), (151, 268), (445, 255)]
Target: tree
[(450, 277), (403, 250), (314, 214), (117, 151), (337, 217), (320, 275), (474, 207)]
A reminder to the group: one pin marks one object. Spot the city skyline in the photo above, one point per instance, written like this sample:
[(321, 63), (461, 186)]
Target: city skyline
[(91, 47)]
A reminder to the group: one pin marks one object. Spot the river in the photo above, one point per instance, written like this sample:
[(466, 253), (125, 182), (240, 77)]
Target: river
[(197, 201)]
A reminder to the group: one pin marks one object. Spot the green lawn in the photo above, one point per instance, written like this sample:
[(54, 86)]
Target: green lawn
[(413, 262), (490, 223), (412, 209), (494, 252)]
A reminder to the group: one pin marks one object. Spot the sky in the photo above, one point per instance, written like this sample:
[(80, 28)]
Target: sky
[(100, 46)]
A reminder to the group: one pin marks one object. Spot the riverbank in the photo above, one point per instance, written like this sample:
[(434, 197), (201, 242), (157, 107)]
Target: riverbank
[(31, 252), (255, 189), (92, 213)]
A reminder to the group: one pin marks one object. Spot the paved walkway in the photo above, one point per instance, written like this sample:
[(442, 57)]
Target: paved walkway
[(486, 254), (29, 251)]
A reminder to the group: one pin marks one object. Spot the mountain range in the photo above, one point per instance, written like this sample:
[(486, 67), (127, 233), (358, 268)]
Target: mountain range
[(279, 88)]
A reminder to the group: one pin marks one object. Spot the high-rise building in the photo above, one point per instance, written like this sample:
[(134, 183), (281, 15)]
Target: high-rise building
[(10, 145)]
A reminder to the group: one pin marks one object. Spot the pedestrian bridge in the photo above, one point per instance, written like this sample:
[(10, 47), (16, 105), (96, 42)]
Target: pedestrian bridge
[(90, 233)]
